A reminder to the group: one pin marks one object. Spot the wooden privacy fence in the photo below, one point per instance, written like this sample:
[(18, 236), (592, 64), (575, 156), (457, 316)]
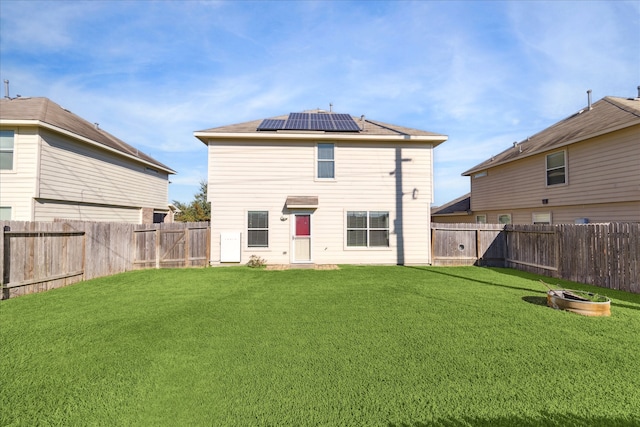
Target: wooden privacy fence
[(171, 246), (36, 256), (606, 255)]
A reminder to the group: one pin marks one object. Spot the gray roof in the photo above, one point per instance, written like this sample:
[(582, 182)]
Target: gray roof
[(606, 115), (368, 127), (460, 205), (46, 111)]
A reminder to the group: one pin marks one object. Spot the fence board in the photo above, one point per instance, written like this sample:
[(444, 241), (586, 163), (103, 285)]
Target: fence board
[(605, 255), (36, 256)]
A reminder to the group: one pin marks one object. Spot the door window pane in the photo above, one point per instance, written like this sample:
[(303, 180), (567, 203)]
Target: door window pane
[(303, 225)]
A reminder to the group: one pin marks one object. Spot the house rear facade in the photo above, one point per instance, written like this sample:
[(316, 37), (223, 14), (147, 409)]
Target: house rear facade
[(320, 188), (583, 169), (56, 165)]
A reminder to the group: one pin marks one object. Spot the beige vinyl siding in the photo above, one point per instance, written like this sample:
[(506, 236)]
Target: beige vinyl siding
[(454, 219), (260, 176), (18, 186), (604, 212), (49, 210), (599, 170), (75, 172)]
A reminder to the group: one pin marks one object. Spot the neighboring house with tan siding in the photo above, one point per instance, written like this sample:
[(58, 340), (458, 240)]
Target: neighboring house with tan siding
[(56, 165), (585, 168), (320, 188), (457, 211)]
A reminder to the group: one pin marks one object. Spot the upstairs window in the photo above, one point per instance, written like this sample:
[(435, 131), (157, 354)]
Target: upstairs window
[(258, 229), (556, 168), (6, 150), (368, 229), (326, 161)]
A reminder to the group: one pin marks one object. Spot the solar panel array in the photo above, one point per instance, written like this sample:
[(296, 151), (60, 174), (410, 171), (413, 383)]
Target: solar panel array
[(328, 122)]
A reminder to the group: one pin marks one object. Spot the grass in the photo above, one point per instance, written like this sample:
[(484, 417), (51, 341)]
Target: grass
[(359, 346)]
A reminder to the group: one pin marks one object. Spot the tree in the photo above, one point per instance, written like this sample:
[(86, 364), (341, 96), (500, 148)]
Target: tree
[(198, 210)]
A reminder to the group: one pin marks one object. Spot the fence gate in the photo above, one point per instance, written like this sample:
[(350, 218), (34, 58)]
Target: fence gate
[(171, 247)]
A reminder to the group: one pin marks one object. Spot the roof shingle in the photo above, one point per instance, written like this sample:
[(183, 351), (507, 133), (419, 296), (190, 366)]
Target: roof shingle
[(608, 114), (46, 111)]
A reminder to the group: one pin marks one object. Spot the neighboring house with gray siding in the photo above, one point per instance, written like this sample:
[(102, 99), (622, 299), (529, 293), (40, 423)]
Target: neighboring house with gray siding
[(56, 165), (320, 188), (585, 168)]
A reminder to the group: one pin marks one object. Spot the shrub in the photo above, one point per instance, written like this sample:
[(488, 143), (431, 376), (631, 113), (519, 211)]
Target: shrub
[(256, 262)]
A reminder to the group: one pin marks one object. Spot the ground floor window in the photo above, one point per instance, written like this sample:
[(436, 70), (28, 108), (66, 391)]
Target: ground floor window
[(368, 229), (5, 213), (481, 219), (541, 218), (258, 229), (504, 219)]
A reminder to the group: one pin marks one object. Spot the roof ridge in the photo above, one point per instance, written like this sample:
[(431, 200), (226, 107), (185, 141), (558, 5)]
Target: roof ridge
[(383, 125), (612, 100)]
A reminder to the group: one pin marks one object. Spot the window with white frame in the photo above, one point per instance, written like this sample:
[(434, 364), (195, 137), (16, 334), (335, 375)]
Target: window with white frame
[(258, 229), (6, 149), (5, 213), (504, 219), (481, 219), (556, 168), (368, 229), (326, 161), (541, 218)]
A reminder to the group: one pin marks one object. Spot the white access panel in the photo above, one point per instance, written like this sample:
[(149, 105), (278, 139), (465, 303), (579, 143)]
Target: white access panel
[(230, 246)]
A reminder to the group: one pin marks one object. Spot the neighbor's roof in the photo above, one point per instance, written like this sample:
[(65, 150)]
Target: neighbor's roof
[(25, 110), (606, 115), (461, 205), (369, 129)]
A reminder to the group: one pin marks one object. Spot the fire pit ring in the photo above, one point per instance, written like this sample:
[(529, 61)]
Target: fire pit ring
[(581, 302)]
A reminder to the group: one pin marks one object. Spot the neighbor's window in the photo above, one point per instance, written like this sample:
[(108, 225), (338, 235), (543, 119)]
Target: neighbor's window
[(480, 174), (5, 213), (481, 219), (368, 229), (541, 218), (556, 168), (6, 149), (504, 219), (326, 161), (258, 229)]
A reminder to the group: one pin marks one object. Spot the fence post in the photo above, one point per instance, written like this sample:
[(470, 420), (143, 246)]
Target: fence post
[(186, 246), (158, 247)]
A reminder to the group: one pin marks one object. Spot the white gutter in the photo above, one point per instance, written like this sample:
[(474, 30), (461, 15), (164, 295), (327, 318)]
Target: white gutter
[(435, 139)]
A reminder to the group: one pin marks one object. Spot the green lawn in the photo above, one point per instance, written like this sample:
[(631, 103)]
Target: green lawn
[(359, 346)]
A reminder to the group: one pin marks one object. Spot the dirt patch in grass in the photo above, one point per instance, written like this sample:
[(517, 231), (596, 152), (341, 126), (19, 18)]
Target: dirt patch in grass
[(304, 266)]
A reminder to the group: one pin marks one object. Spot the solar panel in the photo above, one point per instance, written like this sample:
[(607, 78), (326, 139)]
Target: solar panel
[(271, 124), (345, 122), (328, 122)]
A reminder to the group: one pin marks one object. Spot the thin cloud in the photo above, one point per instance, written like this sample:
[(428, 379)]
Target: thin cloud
[(484, 73)]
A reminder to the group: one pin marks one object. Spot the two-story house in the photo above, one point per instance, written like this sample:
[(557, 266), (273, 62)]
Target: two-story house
[(320, 188), (56, 165), (585, 168)]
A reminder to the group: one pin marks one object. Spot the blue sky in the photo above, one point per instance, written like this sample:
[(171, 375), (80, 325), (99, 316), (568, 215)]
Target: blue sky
[(484, 73)]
